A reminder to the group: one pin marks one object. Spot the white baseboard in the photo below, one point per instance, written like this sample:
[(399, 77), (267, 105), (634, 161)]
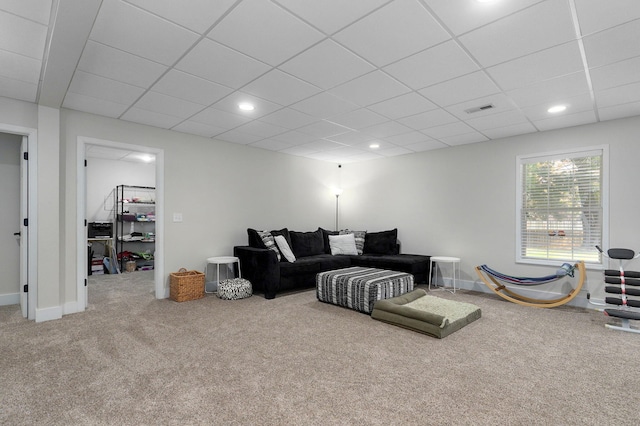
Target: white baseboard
[(580, 301), (70, 308), (9, 299), (48, 314)]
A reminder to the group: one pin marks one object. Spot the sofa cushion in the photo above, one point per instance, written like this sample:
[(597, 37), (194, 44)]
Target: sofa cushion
[(306, 244), (325, 237), (359, 236), (384, 242), (284, 248), (269, 242), (343, 244), (254, 239)]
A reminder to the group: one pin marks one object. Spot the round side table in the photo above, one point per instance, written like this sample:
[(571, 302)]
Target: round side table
[(455, 263), (217, 261)]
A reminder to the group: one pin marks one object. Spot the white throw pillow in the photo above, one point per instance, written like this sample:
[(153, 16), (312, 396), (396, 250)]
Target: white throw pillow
[(343, 244), (282, 244)]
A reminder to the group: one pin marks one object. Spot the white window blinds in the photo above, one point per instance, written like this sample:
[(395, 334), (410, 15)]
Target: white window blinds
[(560, 211)]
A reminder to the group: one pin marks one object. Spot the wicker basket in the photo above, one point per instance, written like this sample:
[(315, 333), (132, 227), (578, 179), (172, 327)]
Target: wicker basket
[(186, 285)]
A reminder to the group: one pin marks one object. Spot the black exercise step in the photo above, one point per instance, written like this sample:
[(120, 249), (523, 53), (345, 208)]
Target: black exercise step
[(622, 314), (616, 273), (618, 301), (617, 290), (627, 280)]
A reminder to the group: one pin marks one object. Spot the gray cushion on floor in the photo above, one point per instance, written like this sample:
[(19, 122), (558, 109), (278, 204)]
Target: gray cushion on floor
[(427, 314)]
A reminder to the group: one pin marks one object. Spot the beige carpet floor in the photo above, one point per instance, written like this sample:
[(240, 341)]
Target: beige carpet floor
[(133, 360)]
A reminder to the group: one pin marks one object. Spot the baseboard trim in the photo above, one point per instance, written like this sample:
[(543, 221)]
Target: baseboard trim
[(580, 301), (48, 314), (9, 299)]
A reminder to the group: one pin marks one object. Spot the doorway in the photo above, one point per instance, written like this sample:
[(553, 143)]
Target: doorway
[(91, 149), (10, 218)]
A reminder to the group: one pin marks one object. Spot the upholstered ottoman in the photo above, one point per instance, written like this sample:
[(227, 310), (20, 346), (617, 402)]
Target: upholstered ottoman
[(359, 287), (234, 289)]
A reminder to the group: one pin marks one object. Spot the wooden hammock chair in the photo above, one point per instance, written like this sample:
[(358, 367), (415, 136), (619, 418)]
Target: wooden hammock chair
[(493, 280)]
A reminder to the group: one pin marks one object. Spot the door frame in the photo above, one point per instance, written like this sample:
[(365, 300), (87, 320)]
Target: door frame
[(32, 213), (81, 202)]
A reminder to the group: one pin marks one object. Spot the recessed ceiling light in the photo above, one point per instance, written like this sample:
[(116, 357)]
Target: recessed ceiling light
[(374, 146), (557, 108), (245, 106)]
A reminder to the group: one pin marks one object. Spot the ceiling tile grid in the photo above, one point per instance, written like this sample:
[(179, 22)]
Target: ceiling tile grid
[(327, 79)]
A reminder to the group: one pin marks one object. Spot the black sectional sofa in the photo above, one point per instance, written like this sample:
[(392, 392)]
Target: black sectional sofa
[(270, 272)]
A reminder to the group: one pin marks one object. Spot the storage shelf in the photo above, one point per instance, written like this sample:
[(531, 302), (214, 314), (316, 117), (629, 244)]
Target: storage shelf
[(126, 213)]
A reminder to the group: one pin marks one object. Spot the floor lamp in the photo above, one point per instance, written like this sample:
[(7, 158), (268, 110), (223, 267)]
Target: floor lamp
[(337, 192)]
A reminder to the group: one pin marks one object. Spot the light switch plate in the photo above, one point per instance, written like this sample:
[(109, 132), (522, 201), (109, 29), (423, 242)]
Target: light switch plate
[(177, 217)]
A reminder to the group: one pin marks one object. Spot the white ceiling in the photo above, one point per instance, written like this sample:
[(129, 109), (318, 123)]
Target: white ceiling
[(328, 78)]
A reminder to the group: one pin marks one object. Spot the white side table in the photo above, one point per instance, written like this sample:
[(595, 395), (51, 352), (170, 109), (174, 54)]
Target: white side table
[(217, 261), (455, 263)]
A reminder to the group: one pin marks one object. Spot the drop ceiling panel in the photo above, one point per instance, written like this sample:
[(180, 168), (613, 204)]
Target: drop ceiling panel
[(281, 88), (219, 64), (370, 88), (403, 106), (324, 105), (217, 118), (359, 119), (200, 129), (574, 104), (151, 118), (549, 63), (501, 119), (104, 88), (625, 37), (133, 30), (231, 102), (121, 66), (258, 128), (539, 27), (566, 121), (19, 67), (628, 93), (289, 118), (294, 137), (465, 88), (93, 105), (500, 103), (507, 131), (17, 89), (352, 138), (619, 111), (164, 104), (462, 16), (447, 130), (551, 91), (189, 87), (408, 138), (235, 136), (617, 74), (428, 119), (35, 10), (383, 130), (323, 129), (196, 15), (22, 36), (264, 31), (597, 15), (271, 144), (326, 65), (426, 146), (435, 65), (330, 15), (464, 139), (392, 32)]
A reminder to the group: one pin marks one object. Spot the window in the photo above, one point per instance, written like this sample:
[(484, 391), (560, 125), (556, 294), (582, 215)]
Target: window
[(561, 206)]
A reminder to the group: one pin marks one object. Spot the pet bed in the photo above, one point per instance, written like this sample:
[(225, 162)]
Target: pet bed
[(426, 314)]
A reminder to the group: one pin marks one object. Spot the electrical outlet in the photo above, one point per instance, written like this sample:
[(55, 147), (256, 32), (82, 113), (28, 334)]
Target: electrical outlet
[(177, 217)]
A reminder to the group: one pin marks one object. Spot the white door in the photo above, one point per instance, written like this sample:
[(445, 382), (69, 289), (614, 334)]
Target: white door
[(24, 230)]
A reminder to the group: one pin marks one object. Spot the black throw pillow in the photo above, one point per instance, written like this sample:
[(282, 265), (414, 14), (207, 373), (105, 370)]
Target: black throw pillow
[(254, 239), (385, 242), (306, 243), (325, 238)]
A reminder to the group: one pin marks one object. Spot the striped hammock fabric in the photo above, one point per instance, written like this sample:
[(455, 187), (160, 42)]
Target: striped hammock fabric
[(565, 270)]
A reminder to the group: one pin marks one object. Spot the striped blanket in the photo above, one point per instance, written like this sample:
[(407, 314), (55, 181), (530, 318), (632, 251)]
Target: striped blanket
[(358, 287)]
